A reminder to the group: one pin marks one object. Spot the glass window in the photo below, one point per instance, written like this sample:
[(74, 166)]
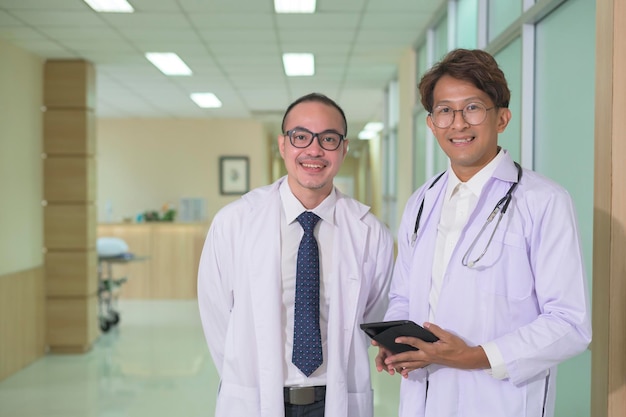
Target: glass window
[(501, 15), (420, 132), (564, 145), (390, 144), (467, 25), (422, 65), (440, 159), (510, 61), (441, 38)]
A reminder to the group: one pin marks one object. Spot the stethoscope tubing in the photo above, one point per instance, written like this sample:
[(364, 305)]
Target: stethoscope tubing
[(500, 208)]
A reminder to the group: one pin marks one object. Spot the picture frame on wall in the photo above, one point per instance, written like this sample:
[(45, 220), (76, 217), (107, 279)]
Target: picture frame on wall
[(234, 175)]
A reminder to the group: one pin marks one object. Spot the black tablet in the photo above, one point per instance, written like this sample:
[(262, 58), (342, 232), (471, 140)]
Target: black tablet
[(386, 332)]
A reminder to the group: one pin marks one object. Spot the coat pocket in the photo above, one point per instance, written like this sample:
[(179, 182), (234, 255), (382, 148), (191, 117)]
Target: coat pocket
[(505, 268), (360, 404), (237, 400)]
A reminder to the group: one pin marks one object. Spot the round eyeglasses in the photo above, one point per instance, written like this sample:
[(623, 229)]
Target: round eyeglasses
[(473, 114), (300, 137)]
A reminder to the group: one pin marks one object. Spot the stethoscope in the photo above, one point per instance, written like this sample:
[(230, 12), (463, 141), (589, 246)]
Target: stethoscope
[(500, 207)]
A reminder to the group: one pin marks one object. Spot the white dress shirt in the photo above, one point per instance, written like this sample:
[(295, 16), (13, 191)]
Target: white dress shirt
[(291, 233), (459, 201)]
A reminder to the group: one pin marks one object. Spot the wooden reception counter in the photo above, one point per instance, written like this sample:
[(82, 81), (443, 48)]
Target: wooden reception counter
[(173, 253)]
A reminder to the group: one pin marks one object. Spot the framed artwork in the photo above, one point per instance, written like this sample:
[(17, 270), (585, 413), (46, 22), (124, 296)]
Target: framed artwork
[(234, 175)]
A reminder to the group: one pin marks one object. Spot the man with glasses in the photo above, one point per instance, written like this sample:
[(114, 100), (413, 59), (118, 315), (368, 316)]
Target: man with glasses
[(489, 260), (287, 274)]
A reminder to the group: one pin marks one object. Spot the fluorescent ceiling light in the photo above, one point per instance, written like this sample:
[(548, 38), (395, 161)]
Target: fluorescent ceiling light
[(294, 6), (367, 134), (168, 63), (206, 100), (371, 130), (374, 126), (299, 64), (113, 6)]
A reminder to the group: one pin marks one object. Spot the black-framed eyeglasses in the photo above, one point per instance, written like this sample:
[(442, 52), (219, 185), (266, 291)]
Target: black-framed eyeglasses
[(300, 137), (473, 114)]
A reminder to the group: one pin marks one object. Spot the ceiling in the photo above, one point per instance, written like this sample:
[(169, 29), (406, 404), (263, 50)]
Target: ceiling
[(233, 47)]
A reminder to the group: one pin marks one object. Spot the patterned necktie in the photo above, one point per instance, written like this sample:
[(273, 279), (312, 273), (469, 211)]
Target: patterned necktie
[(307, 340)]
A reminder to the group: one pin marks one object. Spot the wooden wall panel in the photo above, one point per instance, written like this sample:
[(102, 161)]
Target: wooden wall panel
[(71, 323), (199, 239), (608, 364), (69, 226), (71, 273), (69, 179), (22, 334), (172, 253), (69, 84), (69, 132)]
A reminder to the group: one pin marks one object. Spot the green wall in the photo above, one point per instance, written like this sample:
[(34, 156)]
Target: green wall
[(564, 148)]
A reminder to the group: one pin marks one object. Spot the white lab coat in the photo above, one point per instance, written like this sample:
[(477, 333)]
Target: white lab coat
[(528, 295), (239, 295)]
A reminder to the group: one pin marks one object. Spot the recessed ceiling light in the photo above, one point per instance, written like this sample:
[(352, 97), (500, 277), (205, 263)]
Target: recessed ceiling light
[(367, 134), (374, 126), (206, 100), (294, 6), (299, 64), (168, 63), (371, 130), (112, 6)]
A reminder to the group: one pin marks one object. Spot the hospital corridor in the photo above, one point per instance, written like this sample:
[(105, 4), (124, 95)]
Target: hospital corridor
[(100, 140), (154, 363)]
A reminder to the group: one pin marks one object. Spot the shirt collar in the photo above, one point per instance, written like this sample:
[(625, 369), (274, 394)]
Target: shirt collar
[(478, 181), (293, 207)]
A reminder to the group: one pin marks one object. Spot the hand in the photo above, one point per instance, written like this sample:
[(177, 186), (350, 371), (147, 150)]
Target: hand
[(383, 354), (450, 350)]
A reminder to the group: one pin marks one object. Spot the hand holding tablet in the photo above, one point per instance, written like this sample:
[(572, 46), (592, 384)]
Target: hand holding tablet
[(386, 332)]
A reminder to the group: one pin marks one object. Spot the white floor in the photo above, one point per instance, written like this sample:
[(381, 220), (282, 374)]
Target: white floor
[(154, 363)]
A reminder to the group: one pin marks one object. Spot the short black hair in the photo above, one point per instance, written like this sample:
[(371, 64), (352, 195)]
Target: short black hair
[(319, 98)]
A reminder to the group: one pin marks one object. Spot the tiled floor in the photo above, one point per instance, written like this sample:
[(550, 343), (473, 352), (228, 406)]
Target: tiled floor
[(155, 363)]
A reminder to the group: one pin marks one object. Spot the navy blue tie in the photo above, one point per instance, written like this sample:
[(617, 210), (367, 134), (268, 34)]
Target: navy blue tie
[(307, 340)]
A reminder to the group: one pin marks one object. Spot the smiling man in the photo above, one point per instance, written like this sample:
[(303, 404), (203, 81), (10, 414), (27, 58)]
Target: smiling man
[(287, 274), (489, 260)]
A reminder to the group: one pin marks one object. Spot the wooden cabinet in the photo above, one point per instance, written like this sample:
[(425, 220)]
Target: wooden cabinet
[(173, 254)]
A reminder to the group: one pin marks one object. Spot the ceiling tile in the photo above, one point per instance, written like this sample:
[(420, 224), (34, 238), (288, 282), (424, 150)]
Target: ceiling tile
[(234, 48), (59, 18)]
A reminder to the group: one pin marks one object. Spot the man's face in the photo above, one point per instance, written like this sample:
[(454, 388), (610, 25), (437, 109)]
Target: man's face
[(469, 147), (311, 170)]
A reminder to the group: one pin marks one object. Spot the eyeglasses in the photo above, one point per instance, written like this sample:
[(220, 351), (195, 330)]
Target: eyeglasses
[(473, 114), (300, 137)]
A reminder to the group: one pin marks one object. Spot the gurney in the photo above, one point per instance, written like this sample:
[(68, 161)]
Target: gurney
[(111, 250)]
